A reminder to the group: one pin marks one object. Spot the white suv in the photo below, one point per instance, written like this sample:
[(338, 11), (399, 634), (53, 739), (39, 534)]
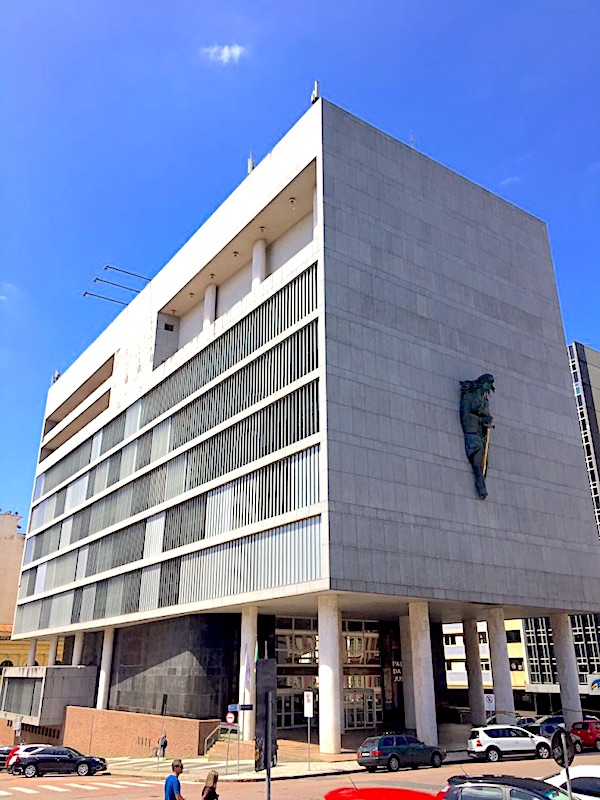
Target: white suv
[(495, 741)]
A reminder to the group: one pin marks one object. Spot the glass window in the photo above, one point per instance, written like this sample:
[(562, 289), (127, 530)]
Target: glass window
[(481, 793), (387, 741), (412, 740), (401, 741), (589, 786), (513, 636), (520, 794)]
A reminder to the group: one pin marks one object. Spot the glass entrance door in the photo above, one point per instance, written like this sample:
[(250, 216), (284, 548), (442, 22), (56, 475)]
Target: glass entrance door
[(359, 709)]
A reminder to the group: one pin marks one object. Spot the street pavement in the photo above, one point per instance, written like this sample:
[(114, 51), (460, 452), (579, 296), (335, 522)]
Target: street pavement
[(311, 786)]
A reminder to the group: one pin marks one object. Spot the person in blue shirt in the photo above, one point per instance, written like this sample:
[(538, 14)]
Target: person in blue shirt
[(172, 785)]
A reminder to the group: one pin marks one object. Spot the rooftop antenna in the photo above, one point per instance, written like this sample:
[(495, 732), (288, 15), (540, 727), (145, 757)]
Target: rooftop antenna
[(102, 297), (315, 93), (412, 139), (56, 376), (250, 162), (126, 272)]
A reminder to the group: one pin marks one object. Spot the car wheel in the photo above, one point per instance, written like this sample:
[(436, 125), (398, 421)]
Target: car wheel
[(83, 769), (578, 747), (597, 744), (371, 769), (30, 771), (493, 754), (436, 760), (393, 764), (543, 751)]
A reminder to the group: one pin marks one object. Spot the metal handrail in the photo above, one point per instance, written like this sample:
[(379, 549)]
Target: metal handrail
[(221, 726)]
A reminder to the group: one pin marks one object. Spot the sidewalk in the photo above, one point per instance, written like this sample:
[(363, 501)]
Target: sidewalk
[(196, 768)]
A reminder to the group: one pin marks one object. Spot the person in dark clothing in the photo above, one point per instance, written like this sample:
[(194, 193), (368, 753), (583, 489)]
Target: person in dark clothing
[(210, 787), (162, 746)]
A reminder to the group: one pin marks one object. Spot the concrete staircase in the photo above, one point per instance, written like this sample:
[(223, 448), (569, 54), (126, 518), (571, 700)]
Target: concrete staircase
[(292, 748)]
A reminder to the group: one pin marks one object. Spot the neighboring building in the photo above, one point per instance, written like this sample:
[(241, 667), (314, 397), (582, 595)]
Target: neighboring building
[(455, 658), (584, 363), (263, 452)]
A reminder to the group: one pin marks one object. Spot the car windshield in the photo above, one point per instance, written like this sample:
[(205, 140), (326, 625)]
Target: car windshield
[(556, 794), (75, 752)]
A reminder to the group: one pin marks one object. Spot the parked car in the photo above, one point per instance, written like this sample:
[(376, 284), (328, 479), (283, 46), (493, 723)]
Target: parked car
[(585, 781), (22, 749), (548, 729), (376, 793), (520, 721), (394, 751), (493, 742), (589, 733), (499, 787), (57, 759), (4, 753)]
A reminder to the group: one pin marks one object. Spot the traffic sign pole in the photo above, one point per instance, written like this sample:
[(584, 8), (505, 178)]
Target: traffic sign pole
[(564, 744)]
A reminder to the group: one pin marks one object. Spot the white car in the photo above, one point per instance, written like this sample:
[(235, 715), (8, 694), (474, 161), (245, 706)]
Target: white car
[(585, 781), (494, 742), (23, 749)]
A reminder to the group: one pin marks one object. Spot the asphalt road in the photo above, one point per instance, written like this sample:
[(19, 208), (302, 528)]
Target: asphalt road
[(71, 787)]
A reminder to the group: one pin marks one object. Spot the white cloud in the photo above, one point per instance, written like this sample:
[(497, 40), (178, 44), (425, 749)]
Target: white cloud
[(3, 297), (226, 53), (509, 181)]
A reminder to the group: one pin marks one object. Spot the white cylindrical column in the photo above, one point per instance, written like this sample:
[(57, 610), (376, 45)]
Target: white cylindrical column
[(247, 694), (210, 305), (52, 651), (330, 677), (31, 653), (503, 693), (474, 676), (408, 688), (566, 666), (259, 262), (77, 649), (422, 663), (105, 664)]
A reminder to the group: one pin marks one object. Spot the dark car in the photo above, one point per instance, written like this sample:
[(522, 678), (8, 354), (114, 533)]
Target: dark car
[(499, 787), (4, 751), (394, 751), (58, 759)]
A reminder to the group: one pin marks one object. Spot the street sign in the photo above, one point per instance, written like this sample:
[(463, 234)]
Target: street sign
[(246, 707), (308, 705), (562, 744), (230, 718), (490, 702), (232, 707)]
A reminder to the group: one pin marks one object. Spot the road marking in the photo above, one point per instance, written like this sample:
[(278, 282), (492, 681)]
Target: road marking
[(109, 785), (22, 789), (130, 783), (52, 788), (4, 794), (83, 786)]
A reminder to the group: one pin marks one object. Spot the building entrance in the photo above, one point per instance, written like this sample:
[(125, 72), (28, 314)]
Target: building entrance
[(359, 709)]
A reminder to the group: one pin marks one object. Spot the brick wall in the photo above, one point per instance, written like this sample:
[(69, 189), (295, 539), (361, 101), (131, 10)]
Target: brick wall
[(122, 733), (7, 732)]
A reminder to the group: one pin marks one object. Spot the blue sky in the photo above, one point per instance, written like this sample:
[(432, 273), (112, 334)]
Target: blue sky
[(123, 125)]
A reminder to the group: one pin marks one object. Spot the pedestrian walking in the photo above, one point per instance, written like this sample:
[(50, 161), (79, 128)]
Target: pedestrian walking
[(172, 785), (210, 787), (162, 746)]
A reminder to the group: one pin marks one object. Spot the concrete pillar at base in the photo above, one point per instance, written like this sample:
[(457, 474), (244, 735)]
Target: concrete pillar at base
[(210, 305), (422, 670), (105, 664), (247, 684), (77, 649), (330, 676), (52, 651), (31, 653), (408, 689), (503, 692), (474, 676), (566, 666), (259, 262)]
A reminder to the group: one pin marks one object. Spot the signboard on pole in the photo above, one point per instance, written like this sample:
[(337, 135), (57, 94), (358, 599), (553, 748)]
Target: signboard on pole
[(490, 703), (309, 709), (230, 718)]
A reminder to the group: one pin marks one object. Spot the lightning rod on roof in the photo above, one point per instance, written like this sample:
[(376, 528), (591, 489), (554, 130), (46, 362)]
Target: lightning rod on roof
[(315, 93), (250, 162)]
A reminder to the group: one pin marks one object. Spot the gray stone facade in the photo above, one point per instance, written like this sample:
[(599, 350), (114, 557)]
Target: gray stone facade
[(429, 280)]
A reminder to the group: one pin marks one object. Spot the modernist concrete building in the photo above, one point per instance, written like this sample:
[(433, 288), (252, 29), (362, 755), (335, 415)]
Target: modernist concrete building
[(584, 363), (265, 447)]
